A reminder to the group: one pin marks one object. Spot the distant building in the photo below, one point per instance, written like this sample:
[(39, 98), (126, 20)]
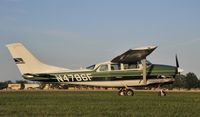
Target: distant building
[(14, 86), (31, 86)]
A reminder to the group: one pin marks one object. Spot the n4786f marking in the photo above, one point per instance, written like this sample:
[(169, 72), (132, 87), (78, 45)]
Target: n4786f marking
[(73, 77)]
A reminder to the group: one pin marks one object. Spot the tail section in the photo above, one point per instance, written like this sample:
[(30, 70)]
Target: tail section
[(27, 63)]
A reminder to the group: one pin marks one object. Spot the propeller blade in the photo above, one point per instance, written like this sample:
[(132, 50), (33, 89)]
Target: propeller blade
[(177, 63), (178, 70)]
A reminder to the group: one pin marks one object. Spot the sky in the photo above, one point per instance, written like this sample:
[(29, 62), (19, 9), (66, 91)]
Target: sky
[(79, 33)]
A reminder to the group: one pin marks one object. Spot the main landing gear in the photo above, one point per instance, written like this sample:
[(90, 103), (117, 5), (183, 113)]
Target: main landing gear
[(130, 92), (125, 92)]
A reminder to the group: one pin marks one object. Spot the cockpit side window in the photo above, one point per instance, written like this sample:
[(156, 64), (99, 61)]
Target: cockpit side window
[(115, 67), (103, 68), (131, 66)]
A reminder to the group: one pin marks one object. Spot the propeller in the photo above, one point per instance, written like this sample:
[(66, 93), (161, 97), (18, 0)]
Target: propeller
[(178, 70), (177, 63)]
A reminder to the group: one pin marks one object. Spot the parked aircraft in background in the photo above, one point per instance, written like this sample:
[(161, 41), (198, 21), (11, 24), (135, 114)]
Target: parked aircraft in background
[(130, 69)]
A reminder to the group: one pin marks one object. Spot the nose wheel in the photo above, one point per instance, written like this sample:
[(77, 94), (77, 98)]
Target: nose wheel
[(126, 92), (162, 93)]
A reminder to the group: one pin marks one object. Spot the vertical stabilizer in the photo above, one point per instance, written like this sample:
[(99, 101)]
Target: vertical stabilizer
[(27, 63)]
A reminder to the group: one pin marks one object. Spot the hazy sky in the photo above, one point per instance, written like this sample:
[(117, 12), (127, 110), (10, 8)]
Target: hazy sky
[(77, 33)]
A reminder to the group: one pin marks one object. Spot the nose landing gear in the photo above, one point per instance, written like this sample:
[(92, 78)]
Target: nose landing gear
[(162, 93)]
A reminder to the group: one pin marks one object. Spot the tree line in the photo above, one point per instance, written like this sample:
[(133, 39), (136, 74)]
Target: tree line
[(188, 81)]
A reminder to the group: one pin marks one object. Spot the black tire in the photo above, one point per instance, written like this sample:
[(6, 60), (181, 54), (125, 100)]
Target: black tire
[(121, 93), (162, 93), (129, 92)]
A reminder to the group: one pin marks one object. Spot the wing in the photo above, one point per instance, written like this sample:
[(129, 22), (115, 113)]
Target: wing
[(134, 55)]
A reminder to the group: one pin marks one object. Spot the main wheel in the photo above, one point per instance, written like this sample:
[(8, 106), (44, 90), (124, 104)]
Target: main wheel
[(129, 92)]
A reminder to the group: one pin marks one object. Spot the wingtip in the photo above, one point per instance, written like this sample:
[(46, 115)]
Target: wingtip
[(146, 47), (14, 44)]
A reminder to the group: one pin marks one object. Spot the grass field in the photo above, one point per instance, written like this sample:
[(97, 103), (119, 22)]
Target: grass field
[(98, 104)]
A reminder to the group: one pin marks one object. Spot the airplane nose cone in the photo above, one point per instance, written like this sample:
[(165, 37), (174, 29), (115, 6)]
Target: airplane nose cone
[(180, 70)]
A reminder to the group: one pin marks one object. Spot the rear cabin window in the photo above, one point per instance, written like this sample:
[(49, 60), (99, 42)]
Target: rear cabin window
[(115, 67), (131, 66), (103, 68)]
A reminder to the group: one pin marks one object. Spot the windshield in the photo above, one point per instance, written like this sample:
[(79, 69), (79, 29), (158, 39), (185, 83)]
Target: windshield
[(148, 63), (90, 67)]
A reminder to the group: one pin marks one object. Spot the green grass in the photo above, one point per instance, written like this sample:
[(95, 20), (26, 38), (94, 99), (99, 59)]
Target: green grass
[(98, 104)]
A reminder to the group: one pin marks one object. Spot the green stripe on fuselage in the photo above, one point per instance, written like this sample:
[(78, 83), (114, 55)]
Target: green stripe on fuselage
[(152, 72)]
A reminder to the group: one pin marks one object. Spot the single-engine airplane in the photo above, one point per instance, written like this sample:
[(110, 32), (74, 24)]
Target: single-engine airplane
[(130, 69)]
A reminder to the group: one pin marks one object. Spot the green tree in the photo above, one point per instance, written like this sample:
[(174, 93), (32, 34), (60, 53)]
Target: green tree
[(8, 82), (191, 80), (3, 85), (180, 81), (22, 82), (188, 81)]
